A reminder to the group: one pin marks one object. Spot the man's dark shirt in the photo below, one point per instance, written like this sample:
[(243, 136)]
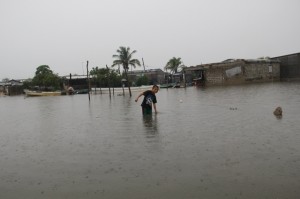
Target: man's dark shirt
[(148, 100)]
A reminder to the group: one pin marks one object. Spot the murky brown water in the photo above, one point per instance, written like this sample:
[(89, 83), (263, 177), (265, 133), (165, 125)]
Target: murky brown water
[(221, 142)]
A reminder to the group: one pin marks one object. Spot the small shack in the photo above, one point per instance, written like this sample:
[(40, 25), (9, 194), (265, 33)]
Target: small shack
[(11, 87), (78, 82)]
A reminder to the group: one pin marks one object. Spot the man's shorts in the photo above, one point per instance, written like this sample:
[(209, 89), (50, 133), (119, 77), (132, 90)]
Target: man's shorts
[(147, 111)]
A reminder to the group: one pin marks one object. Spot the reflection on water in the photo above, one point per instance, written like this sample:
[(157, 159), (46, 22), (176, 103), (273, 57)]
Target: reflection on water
[(220, 142), (150, 123)]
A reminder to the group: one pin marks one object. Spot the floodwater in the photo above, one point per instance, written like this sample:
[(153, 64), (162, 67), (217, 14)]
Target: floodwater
[(219, 142)]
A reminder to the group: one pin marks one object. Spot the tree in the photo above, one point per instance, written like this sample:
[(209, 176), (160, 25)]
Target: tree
[(105, 77), (5, 80), (174, 65), (124, 58), (100, 76), (27, 83), (143, 80), (44, 77), (115, 78), (265, 58)]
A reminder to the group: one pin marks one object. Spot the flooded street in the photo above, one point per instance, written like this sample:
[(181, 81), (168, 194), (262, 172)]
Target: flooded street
[(219, 142)]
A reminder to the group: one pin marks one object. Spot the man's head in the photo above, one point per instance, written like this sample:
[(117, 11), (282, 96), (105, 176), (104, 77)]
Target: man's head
[(155, 88)]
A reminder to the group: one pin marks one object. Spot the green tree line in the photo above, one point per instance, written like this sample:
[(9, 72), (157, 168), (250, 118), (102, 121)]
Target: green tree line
[(45, 78)]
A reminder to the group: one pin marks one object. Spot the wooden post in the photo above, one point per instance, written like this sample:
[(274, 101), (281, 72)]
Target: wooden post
[(123, 88), (143, 65), (69, 84), (108, 82), (128, 83), (88, 78), (184, 80)]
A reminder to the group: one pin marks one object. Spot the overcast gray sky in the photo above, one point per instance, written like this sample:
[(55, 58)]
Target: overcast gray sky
[(64, 34)]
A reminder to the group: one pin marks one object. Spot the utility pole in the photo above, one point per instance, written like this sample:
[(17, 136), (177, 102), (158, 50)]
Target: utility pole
[(143, 65), (88, 78), (108, 81)]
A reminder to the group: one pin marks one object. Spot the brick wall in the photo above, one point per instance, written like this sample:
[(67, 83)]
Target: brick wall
[(242, 71)]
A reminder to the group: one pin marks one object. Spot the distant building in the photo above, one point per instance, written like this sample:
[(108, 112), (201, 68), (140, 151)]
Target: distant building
[(11, 87), (77, 82), (194, 75), (233, 72), (155, 76), (289, 66)]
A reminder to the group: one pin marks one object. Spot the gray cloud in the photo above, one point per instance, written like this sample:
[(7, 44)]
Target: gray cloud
[(65, 34)]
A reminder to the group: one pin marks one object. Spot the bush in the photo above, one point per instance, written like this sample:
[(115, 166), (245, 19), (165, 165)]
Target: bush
[(142, 81)]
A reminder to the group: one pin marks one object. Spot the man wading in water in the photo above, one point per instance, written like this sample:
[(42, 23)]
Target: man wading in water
[(149, 99)]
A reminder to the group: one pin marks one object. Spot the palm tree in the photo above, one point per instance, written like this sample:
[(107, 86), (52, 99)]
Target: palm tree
[(124, 58), (173, 65)]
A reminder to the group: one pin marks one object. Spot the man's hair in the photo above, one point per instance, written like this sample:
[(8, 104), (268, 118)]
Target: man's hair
[(155, 86)]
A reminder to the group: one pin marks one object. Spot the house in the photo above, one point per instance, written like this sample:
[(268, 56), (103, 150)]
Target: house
[(155, 76), (233, 71), (289, 66), (11, 87), (194, 75), (77, 82)]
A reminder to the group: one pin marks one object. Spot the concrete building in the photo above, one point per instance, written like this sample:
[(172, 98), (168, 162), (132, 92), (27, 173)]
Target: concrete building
[(234, 71), (289, 66)]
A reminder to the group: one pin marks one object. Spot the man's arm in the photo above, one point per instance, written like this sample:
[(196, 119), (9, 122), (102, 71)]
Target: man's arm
[(137, 98), (154, 106)]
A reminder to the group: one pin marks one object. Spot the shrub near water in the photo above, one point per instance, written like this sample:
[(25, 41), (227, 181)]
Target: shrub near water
[(142, 81)]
